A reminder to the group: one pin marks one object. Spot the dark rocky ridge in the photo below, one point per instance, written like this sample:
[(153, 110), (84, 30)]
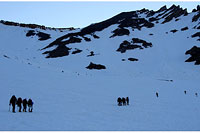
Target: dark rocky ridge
[(131, 20), (195, 55), (33, 26)]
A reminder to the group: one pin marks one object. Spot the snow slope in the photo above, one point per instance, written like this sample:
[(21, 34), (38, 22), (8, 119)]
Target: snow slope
[(79, 99)]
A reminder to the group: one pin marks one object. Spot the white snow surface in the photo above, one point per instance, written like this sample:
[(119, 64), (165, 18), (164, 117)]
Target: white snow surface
[(79, 99)]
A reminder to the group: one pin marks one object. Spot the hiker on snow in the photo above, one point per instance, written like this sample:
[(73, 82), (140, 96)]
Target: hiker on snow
[(30, 105), (157, 94), (127, 100), (19, 103), (124, 101), (13, 101), (119, 100), (24, 105)]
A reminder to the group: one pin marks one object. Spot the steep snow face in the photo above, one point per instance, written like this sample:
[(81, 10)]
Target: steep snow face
[(68, 96)]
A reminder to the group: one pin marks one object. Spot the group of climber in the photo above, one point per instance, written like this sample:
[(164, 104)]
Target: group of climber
[(19, 102), (123, 101)]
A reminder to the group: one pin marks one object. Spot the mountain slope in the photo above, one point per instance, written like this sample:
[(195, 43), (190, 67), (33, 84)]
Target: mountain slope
[(68, 96)]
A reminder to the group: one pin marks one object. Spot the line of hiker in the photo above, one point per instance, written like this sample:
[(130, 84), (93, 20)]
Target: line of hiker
[(19, 102), (123, 101)]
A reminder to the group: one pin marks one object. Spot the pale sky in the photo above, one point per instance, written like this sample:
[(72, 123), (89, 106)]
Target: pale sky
[(75, 14)]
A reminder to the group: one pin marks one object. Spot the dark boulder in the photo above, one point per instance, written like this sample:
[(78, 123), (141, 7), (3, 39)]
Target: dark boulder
[(132, 59), (95, 36), (173, 31), (95, 66), (185, 28)]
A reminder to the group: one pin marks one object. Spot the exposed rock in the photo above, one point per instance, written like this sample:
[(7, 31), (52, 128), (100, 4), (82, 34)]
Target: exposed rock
[(95, 36), (6, 56), (175, 11), (132, 59), (60, 51), (196, 17), (30, 33), (43, 36), (95, 66), (125, 45), (91, 54), (123, 60), (196, 34), (195, 55), (144, 43), (151, 34), (177, 19), (86, 39), (33, 26), (76, 51), (153, 19), (185, 28), (173, 31), (120, 32)]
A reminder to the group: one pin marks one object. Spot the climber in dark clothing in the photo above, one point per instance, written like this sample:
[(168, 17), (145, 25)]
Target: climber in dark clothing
[(30, 105), (119, 100), (127, 100), (157, 94), (124, 101), (13, 101), (24, 105), (19, 103)]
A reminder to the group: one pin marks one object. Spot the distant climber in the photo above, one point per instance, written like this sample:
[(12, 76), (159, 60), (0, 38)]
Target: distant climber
[(119, 100), (30, 105), (19, 103), (124, 101), (24, 105), (157, 94), (13, 101), (127, 100), (185, 92), (196, 94)]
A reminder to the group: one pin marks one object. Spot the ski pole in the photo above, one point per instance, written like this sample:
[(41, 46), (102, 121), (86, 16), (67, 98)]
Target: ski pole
[(9, 108)]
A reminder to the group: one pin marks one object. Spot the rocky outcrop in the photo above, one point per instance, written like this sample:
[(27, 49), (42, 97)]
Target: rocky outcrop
[(173, 31), (60, 51), (76, 51), (125, 45), (195, 55), (185, 28), (95, 66), (120, 32), (42, 36), (174, 12), (33, 26)]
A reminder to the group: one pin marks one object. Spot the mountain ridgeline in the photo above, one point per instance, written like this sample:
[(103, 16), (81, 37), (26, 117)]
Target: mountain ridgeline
[(122, 30)]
